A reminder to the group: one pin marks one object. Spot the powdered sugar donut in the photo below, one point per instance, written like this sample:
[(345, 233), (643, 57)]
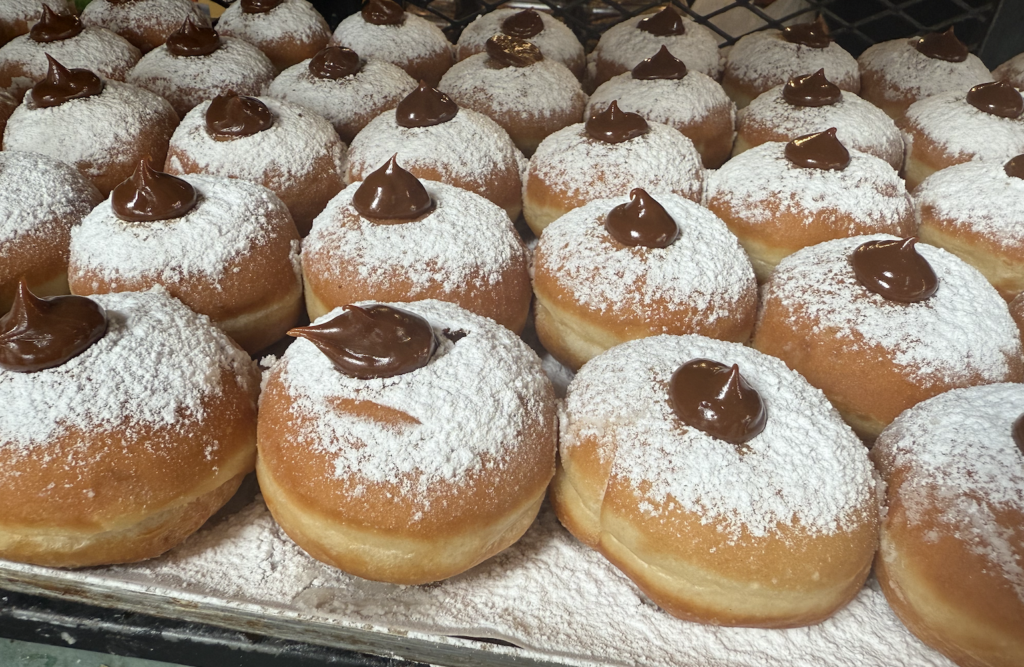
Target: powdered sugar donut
[(776, 531), (1012, 72), (145, 23), (17, 16), (418, 476), (121, 452), (818, 317), (952, 538), (288, 32), (554, 39)]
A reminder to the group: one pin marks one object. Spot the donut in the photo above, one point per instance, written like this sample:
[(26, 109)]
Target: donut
[(103, 128), (405, 442), (287, 31), (984, 123), (382, 30), (780, 197), (437, 141), (952, 538), (554, 39), (225, 247), (145, 23), (24, 60), (128, 421), (41, 199), (17, 16), (897, 73), (975, 210), (197, 64), (739, 20), (608, 156), (718, 480), (513, 84), (762, 60), (632, 267), (661, 89), (932, 324), (810, 103), (279, 145), (1012, 72), (623, 46), (393, 237)]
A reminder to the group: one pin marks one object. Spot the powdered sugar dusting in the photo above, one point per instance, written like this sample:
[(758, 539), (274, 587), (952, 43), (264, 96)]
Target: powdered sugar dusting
[(766, 60), (705, 268), (122, 18), (909, 72), (1012, 71), (157, 363), (415, 38), (40, 196), (976, 196), (963, 131), (291, 21), (555, 41), (97, 49), (625, 45), (961, 459), (30, 10), (671, 101), (805, 469), (964, 331)]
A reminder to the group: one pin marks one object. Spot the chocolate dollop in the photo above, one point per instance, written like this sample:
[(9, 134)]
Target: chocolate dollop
[(641, 222), (509, 51), (193, 40), (819, 150), (37, 334), (1015, 167), (233, 116), (335, 62), (665, 23), (614, 126), (392, 193), (425, 107), (149, 195), (895, 270), (813, 34), (54, 27), (997, 98), (714, 398), (811, 90), (1018, 433), (377, 341), (259, 6), (942, 46), (524, 24), (662, 65), (62, 84), (383, 12)]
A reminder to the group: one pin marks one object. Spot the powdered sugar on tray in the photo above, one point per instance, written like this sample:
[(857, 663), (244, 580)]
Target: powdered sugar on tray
[(909, 72), (963, 131), (96, 49), (674, 102), (289, 22), (626, 45), (556, 41), (40, 196), (962, 332), (765, 59), (415, 38), (961, 459), (978, 197)]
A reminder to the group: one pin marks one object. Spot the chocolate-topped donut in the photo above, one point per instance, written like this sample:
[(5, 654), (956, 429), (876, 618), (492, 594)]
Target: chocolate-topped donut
[(145, 23), (554, 39), (287, 31)]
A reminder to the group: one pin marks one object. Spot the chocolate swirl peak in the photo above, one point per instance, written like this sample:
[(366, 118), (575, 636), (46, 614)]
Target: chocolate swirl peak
[(1018, 433), (665, 23), (383, 12), (820, 150), (814, 34), (425, 107), (53, 27), (1015, 167), (714, 398), (507, 51), (895, 270), (149, 195), (942, 46), (524, 24), (233, 116), (391, 193), (259, 6), (193, 40), (335, 62), (377, 341), (662, 65), (641, 222), (614, 126), (36, 334), (811, 90), (997, 98), (62, 84)]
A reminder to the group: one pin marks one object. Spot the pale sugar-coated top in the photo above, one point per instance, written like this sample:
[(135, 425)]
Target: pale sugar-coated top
[(671, 101), (1012, 71), (30, 10), (291, 21), (555, 41), (910, 72), (128, 18), (40, 195), (626, 45), (96, 49), (415, 38), (963, 131), (765, 59)]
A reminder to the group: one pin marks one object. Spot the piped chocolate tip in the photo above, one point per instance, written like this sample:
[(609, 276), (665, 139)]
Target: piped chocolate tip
[(149, 195), (193, 40), (335, 62), (997, 98), (259, 6), (811, 90), (54, 27), (425, 107), (524, 24), (1015, 167), (392, 193), (665, 23), (716, 399), (372, 342), (942, 46), (613, 126), (894, 270), (642, 221), (509, 51), (383, 12), (662, 65), (819, 150), (235, 116), (37, 334), (62, 85), (814, 34)]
